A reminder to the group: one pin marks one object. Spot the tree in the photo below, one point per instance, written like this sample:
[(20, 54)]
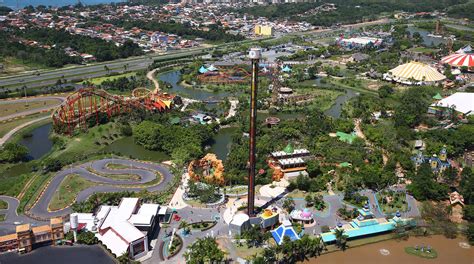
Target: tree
[(341, 238), (86, 237), (470, 233), (204, 250), (414, 103), (13, 152), (288, 204), (425, 187)]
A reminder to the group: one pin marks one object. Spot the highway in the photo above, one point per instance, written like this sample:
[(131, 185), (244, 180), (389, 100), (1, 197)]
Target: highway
[(44, 78), (37, 79)]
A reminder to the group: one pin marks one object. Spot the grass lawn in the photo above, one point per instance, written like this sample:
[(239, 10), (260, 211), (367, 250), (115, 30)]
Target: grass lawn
[(428, 255), (119, 177), (3, 205), (2, 217), (13, 108), (68, 190), (245, 252), (237, 190), (13, 177), (15, 66), (423, 50), (8, 126), (114, 166), (99, 80)]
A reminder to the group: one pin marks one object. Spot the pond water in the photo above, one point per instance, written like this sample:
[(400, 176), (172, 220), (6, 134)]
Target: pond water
[(427, 40), (38, 143), (128, 148), (448, 251), (173, 78), (60, 255), (222, 142)]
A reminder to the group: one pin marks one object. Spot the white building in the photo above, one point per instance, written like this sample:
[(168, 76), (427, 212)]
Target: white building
[(461, 102), (124, 228)]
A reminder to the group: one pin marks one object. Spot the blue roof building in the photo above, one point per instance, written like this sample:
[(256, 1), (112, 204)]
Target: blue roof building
[(286, 69), (285, 229), (364, 225), (203, 69)]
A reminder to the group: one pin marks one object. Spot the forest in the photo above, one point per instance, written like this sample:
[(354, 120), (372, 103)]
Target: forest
[(366, 10)]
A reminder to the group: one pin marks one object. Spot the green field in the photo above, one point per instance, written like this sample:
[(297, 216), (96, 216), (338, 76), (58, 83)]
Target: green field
[(100, 80), (68, 190), (13, 108)]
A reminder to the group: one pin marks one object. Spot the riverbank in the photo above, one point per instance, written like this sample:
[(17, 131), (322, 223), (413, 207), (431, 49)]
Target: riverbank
[(449, 250)]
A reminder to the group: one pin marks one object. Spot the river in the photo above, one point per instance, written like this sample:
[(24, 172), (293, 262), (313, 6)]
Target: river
[(449, 251)]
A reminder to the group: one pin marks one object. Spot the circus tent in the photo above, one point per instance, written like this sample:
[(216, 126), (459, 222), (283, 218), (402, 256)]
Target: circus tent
[(464, 57), (414, 73)]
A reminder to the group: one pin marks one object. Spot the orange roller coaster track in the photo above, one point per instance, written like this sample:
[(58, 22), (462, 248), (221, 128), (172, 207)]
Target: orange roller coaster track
[(89, 103), (234, 75)]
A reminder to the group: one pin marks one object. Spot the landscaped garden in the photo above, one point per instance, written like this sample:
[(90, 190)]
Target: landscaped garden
[(391, 201), (2, 217), (428, 253)]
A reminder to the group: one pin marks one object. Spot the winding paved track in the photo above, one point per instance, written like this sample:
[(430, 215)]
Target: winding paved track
[(146, 171)]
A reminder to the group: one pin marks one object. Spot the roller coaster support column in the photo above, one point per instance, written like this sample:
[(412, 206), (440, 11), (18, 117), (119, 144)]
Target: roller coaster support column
[(255, 55)]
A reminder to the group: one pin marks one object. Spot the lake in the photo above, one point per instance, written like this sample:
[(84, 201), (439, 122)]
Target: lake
[(56, 3), (60, 255)]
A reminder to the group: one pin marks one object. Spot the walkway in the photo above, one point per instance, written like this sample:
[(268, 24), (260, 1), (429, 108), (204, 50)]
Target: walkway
[(233, 108), (360, 133), (8, 135), (12, 219)]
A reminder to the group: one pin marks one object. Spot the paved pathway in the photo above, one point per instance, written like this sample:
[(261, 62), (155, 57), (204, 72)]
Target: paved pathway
[(146, 171), (12, 218)]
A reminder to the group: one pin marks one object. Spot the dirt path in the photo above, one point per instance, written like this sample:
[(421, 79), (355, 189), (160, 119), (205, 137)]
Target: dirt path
[(360, 133), (151, 76)]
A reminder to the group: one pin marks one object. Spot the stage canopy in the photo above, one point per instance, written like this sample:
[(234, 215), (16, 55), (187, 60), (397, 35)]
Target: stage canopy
[(417, 71)]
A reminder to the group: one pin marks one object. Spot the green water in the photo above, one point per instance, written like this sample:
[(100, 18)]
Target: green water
[(128, 148), (222, 142)]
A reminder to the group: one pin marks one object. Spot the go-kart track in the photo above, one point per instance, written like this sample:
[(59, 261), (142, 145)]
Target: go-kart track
[(146, 171)]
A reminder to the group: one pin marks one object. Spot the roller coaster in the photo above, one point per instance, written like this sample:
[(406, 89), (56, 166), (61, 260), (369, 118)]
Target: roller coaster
[(91, 105), (233, 75)]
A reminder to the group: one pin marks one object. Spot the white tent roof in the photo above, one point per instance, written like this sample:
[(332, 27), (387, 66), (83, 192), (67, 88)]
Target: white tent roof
[(464, 102), (113, 242), (417, 71)]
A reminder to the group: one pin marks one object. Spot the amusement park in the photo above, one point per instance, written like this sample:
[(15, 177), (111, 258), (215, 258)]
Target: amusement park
[(301, 149)]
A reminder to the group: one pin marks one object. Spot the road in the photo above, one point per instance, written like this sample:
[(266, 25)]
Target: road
[(146, 171), (12, 218), (34, 110)]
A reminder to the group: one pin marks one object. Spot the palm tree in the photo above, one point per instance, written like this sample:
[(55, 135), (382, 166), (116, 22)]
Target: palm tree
[(341, 238)]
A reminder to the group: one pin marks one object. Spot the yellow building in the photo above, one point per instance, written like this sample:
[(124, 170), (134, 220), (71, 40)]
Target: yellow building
[(263, 30)]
